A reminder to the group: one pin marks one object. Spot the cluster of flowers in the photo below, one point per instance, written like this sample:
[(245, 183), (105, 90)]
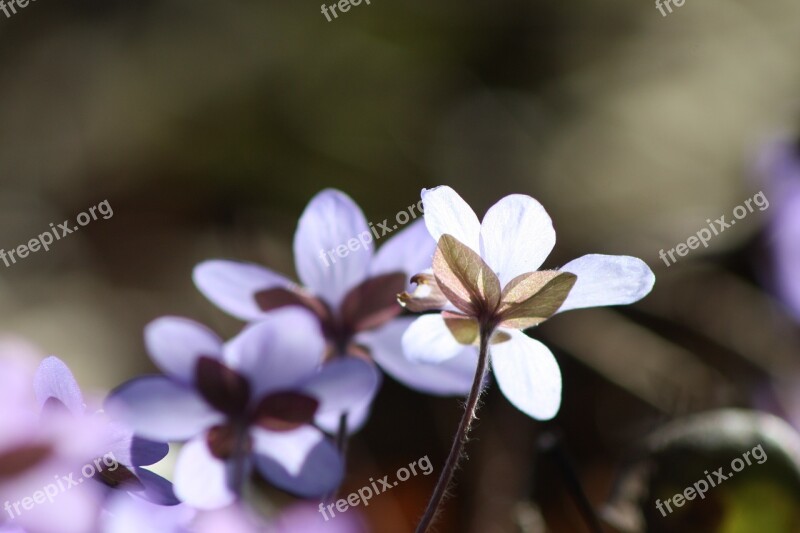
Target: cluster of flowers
[(304, 368)]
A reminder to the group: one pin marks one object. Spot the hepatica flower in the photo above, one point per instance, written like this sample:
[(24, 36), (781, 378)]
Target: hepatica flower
[(252, 401), (486, 283), (352, 295), (485, 278), (122, 453), (44, 455)]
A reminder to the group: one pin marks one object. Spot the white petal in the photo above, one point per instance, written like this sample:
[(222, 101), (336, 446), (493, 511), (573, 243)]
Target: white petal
[(300, 461), (447, 213), (410, 251), (202, 480), (517, 235), (175, 344), (607, 280), (428, 340), (331, 222), (232, 285), (528, 375), (278, 352), (451, 377)]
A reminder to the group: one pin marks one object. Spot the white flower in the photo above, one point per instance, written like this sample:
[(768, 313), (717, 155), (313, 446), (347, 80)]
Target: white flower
[(485, 279)]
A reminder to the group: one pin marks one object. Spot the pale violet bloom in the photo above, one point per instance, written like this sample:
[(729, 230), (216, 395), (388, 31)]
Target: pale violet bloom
[(41, 463), (126, 515), (485, 278), (251, 401), (779, 165), (354, 297), (133, 515), (123, 454)]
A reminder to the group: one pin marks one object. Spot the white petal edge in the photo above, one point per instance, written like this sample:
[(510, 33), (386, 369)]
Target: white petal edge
[(528, 375), (517, 235), (447, 213), (607, 280)]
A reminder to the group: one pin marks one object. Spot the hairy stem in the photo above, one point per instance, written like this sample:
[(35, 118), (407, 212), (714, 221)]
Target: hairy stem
[(460, 439)]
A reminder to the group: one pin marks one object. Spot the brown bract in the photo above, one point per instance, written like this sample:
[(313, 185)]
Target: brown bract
[(121, 477), (426, 296), (17, 460), (367, 306), (285, 411), (462, 278), (230, 393)]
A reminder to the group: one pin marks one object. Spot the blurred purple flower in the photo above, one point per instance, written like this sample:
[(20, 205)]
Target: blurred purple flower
[(134, 515), (779, 165), (57, 391), (305, 518), (485, 273), (127, 515), (33, 455), (352, 297), (250, 400)]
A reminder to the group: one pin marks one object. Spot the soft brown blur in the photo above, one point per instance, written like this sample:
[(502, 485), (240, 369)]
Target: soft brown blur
[(208, 126)]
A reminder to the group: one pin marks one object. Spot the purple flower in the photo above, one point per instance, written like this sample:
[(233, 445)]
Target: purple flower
[(354, 297), (780, 165), (123, 454), (305, 518), (252, 400), (485, 279), (35, 457), (134, 515)]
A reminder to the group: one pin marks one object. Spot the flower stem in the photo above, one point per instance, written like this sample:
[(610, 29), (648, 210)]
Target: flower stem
[(461, 436), (239, 473), (341, 446)]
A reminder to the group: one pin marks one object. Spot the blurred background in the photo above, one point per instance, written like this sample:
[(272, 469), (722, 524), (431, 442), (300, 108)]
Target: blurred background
[(209, 125)]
